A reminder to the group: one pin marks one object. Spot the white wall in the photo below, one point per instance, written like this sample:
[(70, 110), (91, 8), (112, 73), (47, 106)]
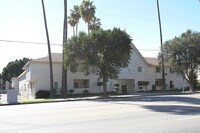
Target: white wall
[(23, 89), (148, 73), (15, 83), (40, 74)]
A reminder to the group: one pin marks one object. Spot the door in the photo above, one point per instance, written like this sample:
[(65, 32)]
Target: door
[(127, 84)]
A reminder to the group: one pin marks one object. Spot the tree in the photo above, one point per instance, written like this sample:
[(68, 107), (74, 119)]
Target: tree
[(74, 17), (13, 69), (87, 11), (64, 70), (183, 55), (103, 52), (49, 51), (95, 24), (72, 23)]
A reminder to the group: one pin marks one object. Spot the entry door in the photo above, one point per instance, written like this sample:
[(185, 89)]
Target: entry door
[(130, 85)]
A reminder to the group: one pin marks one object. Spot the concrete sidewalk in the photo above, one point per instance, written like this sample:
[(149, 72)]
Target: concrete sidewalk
[(99, 98)]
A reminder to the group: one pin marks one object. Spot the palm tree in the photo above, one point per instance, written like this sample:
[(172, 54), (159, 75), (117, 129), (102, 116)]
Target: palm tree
[(95, 24), (72, 23), (75, 16), (87, 11), (161, 45), (64, 70), (49, 52)]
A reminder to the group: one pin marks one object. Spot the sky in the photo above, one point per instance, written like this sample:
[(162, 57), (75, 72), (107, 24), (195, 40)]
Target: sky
[(22, 21)]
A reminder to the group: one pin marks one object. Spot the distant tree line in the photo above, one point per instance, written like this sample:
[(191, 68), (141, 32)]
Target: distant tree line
[(13, 69)]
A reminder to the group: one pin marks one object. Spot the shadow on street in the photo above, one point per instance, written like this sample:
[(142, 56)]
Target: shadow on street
[(173, 107)]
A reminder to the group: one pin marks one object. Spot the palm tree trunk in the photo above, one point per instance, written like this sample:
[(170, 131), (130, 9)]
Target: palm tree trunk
[(64, 70), (76, 29), (49, 52), (161, 44), (88, 28)]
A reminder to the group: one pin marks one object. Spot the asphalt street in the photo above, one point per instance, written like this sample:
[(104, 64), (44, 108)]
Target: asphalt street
[(149, 114)]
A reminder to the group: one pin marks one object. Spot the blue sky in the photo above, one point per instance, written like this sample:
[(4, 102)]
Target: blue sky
[(22, 20)]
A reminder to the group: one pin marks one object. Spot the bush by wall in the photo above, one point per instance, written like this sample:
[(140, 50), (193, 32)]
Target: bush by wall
[(85, 91), (42, 94), (71, 91)]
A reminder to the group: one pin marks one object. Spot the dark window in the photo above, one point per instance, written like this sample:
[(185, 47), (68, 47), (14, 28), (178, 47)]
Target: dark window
[(171, 84), (81, 83), (171, 70), (158, 70), (55, 85), (76, 85), (158, 82), (139, 83), (139, 69)]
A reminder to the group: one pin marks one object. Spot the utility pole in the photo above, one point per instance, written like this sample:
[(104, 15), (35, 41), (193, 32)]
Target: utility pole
[(161, 44), (49, 52), (64, 70)]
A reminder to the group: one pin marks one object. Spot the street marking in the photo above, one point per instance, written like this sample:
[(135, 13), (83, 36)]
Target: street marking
[(187, 118)]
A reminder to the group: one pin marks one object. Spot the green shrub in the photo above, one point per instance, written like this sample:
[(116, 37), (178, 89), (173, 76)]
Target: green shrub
[(116, 85), (99, 83), (71, 91), (85, 91), (187, 89), (42, 94)]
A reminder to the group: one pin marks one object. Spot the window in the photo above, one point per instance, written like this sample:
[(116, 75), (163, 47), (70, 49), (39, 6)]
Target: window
[(55, 85), (139, 69), (158, 82), (143, 83), (76, 85), (139, 83), (171, 70), (81, 83), (171, 84), (158, 69), (140, 88)]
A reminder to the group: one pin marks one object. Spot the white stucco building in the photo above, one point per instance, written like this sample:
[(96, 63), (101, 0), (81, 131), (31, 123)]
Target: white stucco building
[(36, 76)]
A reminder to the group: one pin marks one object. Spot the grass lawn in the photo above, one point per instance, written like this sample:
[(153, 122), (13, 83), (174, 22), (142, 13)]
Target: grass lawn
[(36, 100)]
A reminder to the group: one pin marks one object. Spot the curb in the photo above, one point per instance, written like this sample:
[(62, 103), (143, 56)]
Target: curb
[(99, 98)]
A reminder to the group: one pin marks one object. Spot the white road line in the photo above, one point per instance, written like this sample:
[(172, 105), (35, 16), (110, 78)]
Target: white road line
[(187, 118)]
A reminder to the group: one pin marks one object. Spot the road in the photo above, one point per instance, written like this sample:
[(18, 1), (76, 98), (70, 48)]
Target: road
[(150, 114)]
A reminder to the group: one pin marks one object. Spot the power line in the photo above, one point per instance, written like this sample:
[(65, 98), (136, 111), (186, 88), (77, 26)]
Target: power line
[(40, 43), (148, 50), (14, 41)]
